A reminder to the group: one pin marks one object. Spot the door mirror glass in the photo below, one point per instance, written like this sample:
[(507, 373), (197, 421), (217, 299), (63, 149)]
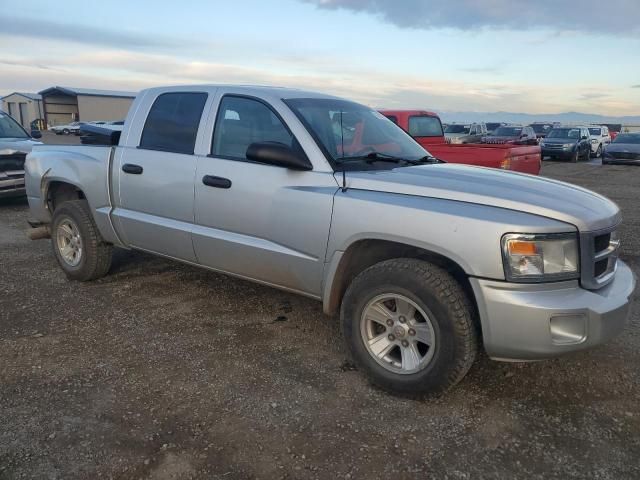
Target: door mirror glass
[(36, 134), (584, 137), (278, 154)]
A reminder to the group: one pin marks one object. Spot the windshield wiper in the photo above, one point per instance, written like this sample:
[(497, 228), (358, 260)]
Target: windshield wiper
[(371, 158)]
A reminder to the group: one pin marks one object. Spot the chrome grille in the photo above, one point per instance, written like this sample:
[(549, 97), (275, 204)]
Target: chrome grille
[(599, 258)]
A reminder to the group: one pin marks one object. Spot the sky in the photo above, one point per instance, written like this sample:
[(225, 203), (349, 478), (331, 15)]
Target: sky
[(540, 56)]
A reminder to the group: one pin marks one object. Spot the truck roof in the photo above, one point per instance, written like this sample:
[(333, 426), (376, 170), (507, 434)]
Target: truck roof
[(255, 90)]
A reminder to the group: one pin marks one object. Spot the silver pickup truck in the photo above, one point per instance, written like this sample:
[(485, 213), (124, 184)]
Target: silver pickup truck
[(323, 197)]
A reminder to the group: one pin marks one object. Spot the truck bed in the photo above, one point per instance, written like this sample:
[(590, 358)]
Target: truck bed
[(518, 158)]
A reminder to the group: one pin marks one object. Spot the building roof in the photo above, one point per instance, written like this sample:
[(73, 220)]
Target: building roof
[(30, 96), (92, 92)]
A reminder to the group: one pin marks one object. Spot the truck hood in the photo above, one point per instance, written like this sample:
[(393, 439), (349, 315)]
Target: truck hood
[(9, 146), (561, 201)]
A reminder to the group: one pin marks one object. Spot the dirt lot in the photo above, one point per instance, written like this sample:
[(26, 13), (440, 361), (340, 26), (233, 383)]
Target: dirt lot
[(163, 371)]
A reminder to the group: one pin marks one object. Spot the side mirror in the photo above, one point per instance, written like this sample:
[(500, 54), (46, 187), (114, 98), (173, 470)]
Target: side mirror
[(36, 133), (585, 138), (279, 154)]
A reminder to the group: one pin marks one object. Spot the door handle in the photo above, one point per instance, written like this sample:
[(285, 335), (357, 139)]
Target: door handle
[(216, 182), (131, 168)]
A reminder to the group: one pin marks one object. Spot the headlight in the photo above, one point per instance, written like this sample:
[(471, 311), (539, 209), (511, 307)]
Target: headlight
[(568, 145), (540, 257)]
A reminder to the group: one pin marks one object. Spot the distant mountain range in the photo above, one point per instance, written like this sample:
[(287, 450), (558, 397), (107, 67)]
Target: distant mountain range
[(511, 117)]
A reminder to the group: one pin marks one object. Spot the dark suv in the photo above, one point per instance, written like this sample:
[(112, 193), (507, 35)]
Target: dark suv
[(568, 143), (512, 134)]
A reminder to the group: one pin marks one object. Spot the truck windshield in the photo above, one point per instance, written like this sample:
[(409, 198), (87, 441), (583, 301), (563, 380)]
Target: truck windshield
[(564, 133), (508, 132), (9, 128), (595, 131), (456, 129), (540, 128), (348, 131)]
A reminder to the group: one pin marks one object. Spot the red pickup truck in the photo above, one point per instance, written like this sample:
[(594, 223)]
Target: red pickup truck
[(426, 128)]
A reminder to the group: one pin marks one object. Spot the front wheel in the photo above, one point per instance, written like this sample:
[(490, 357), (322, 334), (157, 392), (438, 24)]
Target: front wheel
[(77, 244), (66, 131), (409, 327), (599, 151), (575, 156)]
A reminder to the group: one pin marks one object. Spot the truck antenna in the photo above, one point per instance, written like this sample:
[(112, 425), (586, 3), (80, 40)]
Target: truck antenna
[(344, 176)]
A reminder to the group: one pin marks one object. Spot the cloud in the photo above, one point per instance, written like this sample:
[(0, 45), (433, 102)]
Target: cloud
[(635, 86), (52, 30), (619, 16)]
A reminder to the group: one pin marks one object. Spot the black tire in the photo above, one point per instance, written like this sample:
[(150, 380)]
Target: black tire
[(451, 313), (66, 131), (575, 156), (599, 151), (95, 259)]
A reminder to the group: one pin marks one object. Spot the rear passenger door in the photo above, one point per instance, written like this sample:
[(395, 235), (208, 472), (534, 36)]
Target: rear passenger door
[(155, 189), (259, 221)]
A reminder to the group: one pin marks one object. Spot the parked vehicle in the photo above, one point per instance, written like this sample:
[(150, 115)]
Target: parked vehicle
[(518, 158), (68, 129), (614, 129), (492, 126), (541, 129), (327, 198), (15, 143), (599, 137), (516, 134), (624, 149), (422, 125), (567, 143), (460, 134)]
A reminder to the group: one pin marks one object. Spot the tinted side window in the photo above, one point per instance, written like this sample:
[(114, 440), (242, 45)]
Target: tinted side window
[(425, 126), (243, 121), (172, 123)]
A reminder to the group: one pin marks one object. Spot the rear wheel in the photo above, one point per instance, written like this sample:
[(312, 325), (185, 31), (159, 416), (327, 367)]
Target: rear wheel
[(409, 326), (77, 245)]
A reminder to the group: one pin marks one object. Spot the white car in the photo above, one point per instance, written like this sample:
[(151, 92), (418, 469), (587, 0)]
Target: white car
[(73, 127), (470, 133), (600, 137)]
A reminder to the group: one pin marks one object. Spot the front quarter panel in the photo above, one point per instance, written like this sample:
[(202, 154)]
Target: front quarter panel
[(468, 234)]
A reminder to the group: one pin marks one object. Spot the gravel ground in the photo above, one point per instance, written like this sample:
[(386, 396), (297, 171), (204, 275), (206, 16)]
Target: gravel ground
[(162, 371)]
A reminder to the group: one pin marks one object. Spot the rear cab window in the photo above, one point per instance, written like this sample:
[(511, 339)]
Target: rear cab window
[(425, 126), (172, 123)]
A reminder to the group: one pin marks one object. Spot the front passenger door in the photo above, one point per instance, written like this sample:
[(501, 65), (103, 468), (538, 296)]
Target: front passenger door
[(262, 222)]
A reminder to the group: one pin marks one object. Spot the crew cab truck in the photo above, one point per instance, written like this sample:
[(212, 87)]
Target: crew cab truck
[(316, 195), (518, 158)]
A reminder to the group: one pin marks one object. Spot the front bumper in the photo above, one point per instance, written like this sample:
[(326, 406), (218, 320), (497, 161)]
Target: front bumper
[(557, 153), (532, 322), (12, 184)]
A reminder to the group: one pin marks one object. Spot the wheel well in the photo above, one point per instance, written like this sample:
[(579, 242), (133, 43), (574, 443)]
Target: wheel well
[(365, 253), (60, 192)]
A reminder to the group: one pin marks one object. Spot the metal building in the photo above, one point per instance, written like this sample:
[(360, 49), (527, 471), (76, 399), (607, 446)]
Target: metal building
[(25, 108), (62, 105)]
